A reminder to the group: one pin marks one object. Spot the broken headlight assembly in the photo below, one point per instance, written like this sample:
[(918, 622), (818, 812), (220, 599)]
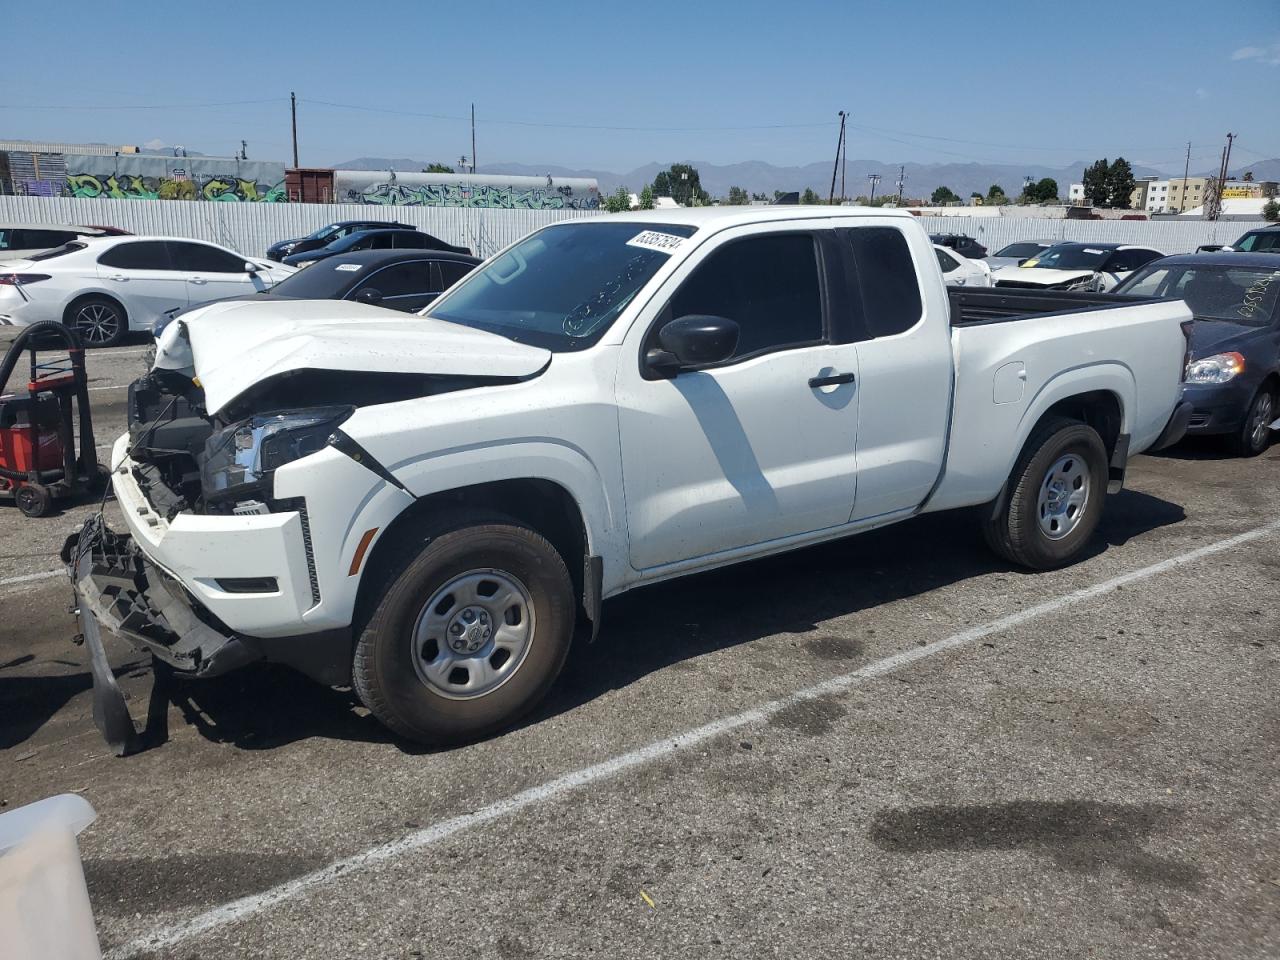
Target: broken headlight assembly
[(239, 460)]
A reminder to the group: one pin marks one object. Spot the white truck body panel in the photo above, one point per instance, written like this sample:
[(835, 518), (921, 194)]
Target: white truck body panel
[(670, 475)]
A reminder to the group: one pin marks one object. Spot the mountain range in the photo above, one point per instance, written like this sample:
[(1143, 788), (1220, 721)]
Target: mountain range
[(757, 176)]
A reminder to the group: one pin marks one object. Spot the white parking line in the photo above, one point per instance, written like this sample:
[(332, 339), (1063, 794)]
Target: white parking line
[(114, 386), (235, 910), (28, 577)]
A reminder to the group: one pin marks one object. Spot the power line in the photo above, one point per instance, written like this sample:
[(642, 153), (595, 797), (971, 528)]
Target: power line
[(137, 106), (564, 126)]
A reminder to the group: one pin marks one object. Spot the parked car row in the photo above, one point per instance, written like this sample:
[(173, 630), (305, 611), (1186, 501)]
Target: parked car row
[(106, 283)]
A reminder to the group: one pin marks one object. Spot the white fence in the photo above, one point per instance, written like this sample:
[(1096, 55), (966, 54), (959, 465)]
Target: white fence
[(1167, 236), (251, 227)]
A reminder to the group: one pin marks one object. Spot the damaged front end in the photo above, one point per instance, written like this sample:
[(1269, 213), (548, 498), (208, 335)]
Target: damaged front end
[(114, 585)]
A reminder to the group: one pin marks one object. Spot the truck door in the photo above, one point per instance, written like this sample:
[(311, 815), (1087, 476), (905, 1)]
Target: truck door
[(904, 366), (760, 446)]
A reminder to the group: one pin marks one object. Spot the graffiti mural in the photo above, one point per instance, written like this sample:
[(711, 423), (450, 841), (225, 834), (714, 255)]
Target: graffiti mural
[(487, 191), (166, 178)]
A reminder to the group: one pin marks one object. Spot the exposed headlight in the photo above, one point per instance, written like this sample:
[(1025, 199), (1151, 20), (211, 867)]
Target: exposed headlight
[(239, 460), (1219, 368)]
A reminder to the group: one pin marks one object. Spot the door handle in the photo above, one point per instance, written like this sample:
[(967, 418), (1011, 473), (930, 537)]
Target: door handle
[(833, 380), (118, 276), (198, 280)]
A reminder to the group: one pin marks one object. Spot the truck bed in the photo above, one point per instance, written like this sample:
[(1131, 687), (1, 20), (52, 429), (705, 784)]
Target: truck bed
[(978, 305)]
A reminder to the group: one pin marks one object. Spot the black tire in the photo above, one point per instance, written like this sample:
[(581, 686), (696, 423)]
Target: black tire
[(386, 670), (1014, 529), (1254, 435), (33, 499), (99, 321)]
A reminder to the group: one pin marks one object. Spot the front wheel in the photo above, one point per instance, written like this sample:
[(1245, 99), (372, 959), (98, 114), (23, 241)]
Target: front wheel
[(1254, 435), (470, 634), (1054, 497)]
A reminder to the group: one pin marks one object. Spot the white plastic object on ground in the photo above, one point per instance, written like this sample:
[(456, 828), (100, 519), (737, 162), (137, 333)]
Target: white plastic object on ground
[(44, 904)]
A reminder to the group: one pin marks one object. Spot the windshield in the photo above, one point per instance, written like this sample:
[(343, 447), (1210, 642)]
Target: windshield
[(61, 251), (1261, 241), (1020, 250), (1070, 257), (323, 280), (561, 287), (1244, 295), (323, 232)]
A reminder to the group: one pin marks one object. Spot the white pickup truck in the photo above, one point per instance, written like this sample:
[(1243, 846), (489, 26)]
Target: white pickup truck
[(432, 508)]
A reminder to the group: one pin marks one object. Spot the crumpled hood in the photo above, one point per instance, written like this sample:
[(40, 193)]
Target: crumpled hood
[(1040, 276), (236, 344)]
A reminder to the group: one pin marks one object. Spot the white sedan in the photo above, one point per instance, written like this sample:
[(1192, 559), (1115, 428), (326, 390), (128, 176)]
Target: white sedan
[(105, 288), (958, 271)]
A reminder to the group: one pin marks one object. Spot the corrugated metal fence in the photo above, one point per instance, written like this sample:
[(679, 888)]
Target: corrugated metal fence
[(251, 227), (1166, 236)]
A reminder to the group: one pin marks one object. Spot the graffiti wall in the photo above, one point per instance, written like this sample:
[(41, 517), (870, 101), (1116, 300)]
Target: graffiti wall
[(217, 179), (388, 188)]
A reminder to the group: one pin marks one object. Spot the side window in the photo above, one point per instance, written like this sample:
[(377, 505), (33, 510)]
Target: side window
[(401, 280), (138, 255), (202, 258), (409, 241), (376, 240), (451, 272), (768, 285), (885, 282), (946, 261), (1267, 241)]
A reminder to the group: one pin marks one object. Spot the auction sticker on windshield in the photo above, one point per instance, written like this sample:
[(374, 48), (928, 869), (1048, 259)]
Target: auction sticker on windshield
[(655, 240), (352, 267)]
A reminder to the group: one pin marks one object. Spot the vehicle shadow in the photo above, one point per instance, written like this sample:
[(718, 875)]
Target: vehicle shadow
[(660, 627), (28, 702)]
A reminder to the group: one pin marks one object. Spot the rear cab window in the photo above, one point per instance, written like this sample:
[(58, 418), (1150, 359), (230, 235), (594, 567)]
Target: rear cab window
[(884, 285)]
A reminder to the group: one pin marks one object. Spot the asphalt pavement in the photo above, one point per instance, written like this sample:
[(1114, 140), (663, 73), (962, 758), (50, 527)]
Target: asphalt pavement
[(892, 746)]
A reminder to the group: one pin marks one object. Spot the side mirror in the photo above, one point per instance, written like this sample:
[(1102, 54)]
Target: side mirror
[(692, 341), (369, 295), (250, 267)]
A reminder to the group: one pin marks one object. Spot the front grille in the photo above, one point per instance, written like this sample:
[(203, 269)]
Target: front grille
[(311, 556)]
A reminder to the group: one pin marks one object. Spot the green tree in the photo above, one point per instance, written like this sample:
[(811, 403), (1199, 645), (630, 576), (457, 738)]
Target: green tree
[(646, 198), (1271, 211), (437, 168), (619, 201), (1248, 176), (1120, 184), (1045, 190), (943, 195), (1096, 183), (996, 195), (809, 196), (737, 197), (681, 183), (758, 196)]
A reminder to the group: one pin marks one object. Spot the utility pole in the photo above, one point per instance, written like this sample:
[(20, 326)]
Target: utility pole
[(875, 179), (244, 150), (836, 166), (473, 138), (293, 110), (902, 181), (1213, 204), (1186, 168)]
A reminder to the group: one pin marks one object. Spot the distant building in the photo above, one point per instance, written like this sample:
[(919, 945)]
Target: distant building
[(1155, 195)]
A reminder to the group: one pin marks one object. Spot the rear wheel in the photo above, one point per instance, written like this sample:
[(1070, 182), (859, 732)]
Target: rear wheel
[(1254, 435), (100, 321), (1054, 497), (470, 634), (33, 499)]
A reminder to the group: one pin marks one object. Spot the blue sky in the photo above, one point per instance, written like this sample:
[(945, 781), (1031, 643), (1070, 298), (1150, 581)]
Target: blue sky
[(716, 81)]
